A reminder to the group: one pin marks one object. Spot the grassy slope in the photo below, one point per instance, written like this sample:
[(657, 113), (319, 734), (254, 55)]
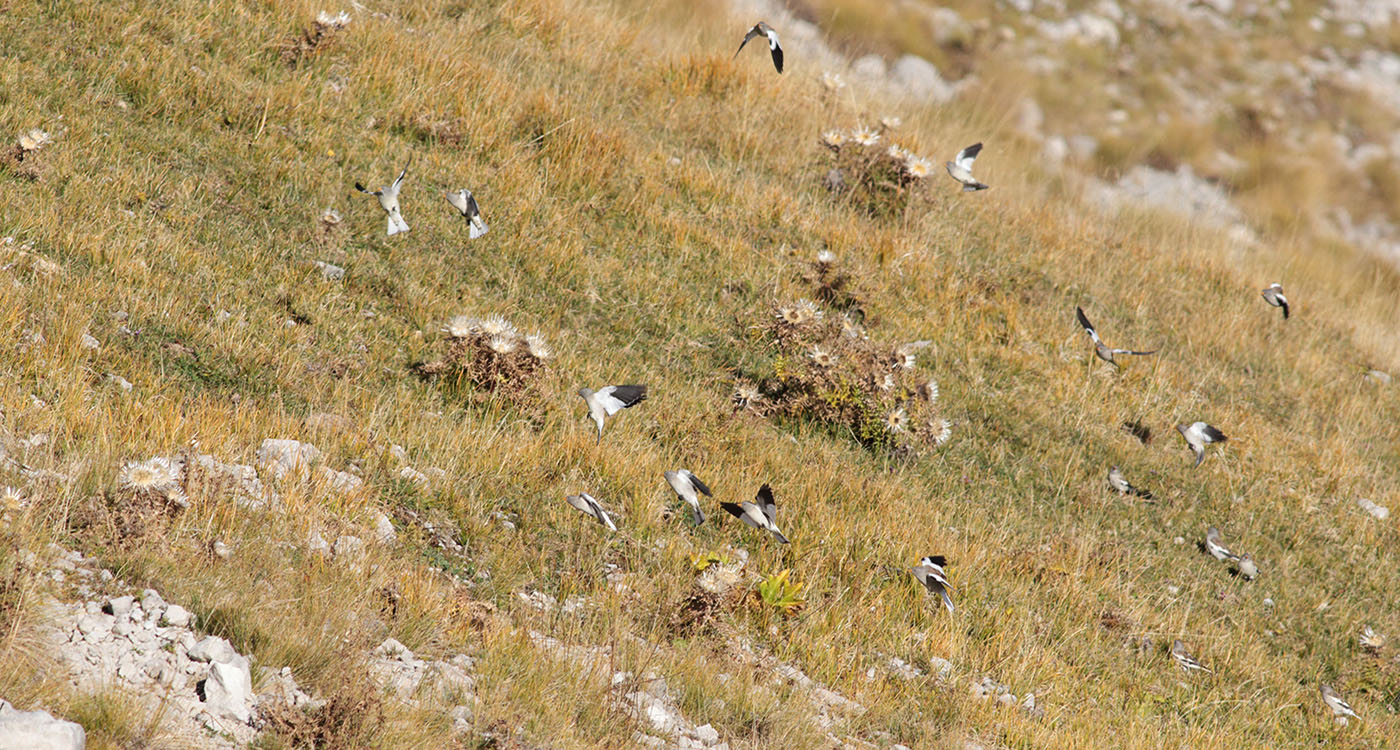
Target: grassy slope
[(204, 195)]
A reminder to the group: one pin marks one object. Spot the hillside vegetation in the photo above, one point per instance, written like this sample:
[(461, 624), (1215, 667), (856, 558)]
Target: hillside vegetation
[(652, 206)]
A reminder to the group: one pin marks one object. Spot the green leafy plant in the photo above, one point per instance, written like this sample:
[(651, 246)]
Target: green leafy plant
[(781, 593), (705, 559)]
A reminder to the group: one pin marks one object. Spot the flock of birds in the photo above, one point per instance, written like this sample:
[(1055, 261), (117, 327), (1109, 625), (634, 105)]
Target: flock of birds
[(761, 513)]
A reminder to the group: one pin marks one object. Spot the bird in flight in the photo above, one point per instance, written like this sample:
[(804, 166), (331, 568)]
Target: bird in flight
[(1339, 707), (1102, 350), (762, 513), (589, 506), (961, 168), (389, 200), (609, 400), (465, 203), (1120, 484), (1215, 545), (1198, 435), (764, 30), (1274, 296), (689, 488), (930, 573), (1185, 660)]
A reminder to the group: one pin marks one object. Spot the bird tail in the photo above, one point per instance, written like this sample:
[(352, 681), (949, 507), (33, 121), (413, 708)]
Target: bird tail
[(779, 536), (947, 600), (697, 515), (478, 228), (1144, 494), (1200, 456), (400, 223)]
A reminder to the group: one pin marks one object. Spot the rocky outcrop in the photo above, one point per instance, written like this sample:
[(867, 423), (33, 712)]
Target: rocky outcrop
[(38, 730)]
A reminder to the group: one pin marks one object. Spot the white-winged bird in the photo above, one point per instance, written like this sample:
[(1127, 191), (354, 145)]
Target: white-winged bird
[(1274, 296), (1339, 707), (1185, 660), (931, 574), (1215, 545), (1104, 351), (689, 488), (1198, 435), (1120, 484), (960, 168), (465, 203), (762, 513), (764, 30), (609, 400), (589, 506), (389, 200)]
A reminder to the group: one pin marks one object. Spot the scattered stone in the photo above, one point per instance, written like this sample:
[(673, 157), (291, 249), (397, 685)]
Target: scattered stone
[(38, 730), (221, 550), (88, 342), (177, 616), (330, 271), (120, 382), (1380, 512), (228, 691), (316, 544), (282, 457), (347, 545)]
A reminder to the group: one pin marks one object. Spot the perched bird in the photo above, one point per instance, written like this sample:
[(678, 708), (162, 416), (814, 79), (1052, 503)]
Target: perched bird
[(760, 514), (1104, 351), (1198, 435), (1274, 296), (1215, 545), (609, 400), (930, 573), (961, 168), (1120, 484), (389, 200), (687, 486), (1371, 640), (764, 30), (465, 203), (1339, 707), (1184, 659), (588, 505), (1248, 570)]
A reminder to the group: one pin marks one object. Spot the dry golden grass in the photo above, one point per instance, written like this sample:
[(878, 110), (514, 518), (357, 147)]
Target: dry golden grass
[(191, 180)]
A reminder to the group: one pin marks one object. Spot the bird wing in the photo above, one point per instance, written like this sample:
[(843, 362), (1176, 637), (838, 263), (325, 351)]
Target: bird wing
[(699, 485), (1130, 351), (1088, 327), (1283, 302), (752, 33), (581, 502), (1214, 435), (766, 503), (974, 186), (472, 210), (458, 201), (615, 398), (741, 512), (398, 181), (775, 50), (362, 189), (968, 155)]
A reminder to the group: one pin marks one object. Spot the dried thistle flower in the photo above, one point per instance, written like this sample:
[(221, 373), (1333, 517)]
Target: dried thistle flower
[(942, 429), (501, 344), (495, 325), (535, 344), (822, 358), (918, 167), (33, 140), (11, 499), (896, 420), (833, 139), (929, 391), (890, 122), (462, 326), (865, 136), (154, 475), (746, 394)]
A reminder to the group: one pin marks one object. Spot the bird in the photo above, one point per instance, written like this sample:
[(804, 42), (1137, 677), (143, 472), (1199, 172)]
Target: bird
[(1104, 351), (687, 486), (1274, 296), (1371, 640), (588, 505), (1198, 435), (609, 400), (930, 573), (1185, 660), (1216, 546), (761, 513), (764, 30), (389, 200), (1120, 484), (465, 203), (960, 168), (1248, 570), (1339, 707)]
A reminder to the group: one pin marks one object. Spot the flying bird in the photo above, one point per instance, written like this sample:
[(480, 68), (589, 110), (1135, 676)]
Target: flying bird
[(1248, 570), (762, 513), (1198, 435), (1120, 484), (930, 573), (389, 200), (1215, 545), (961, 168), (689, 488), (1339, 707), (1185, 660), (588, 505), (764, 30), (1104, 351), (465, 203), (609, 400), (1274, 296)]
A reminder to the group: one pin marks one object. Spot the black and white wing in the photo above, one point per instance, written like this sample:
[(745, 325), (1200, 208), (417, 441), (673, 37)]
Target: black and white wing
[(699, 485), (362, 189), (1212, 435), (398, 182), (775, 49), (740, 512), (755, 31), (967, 156), (615, 398), (1088, 327), (459, 201), (766, 503)]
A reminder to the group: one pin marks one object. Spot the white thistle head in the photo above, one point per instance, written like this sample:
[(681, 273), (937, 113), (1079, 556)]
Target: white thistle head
[(918, 167), (821, 357), (832, 81), (462, 326), (495, 325), (865, 136), (537, 347), (833, 139), (896, 420), (501, 344), (35, 139), (155, 475)]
